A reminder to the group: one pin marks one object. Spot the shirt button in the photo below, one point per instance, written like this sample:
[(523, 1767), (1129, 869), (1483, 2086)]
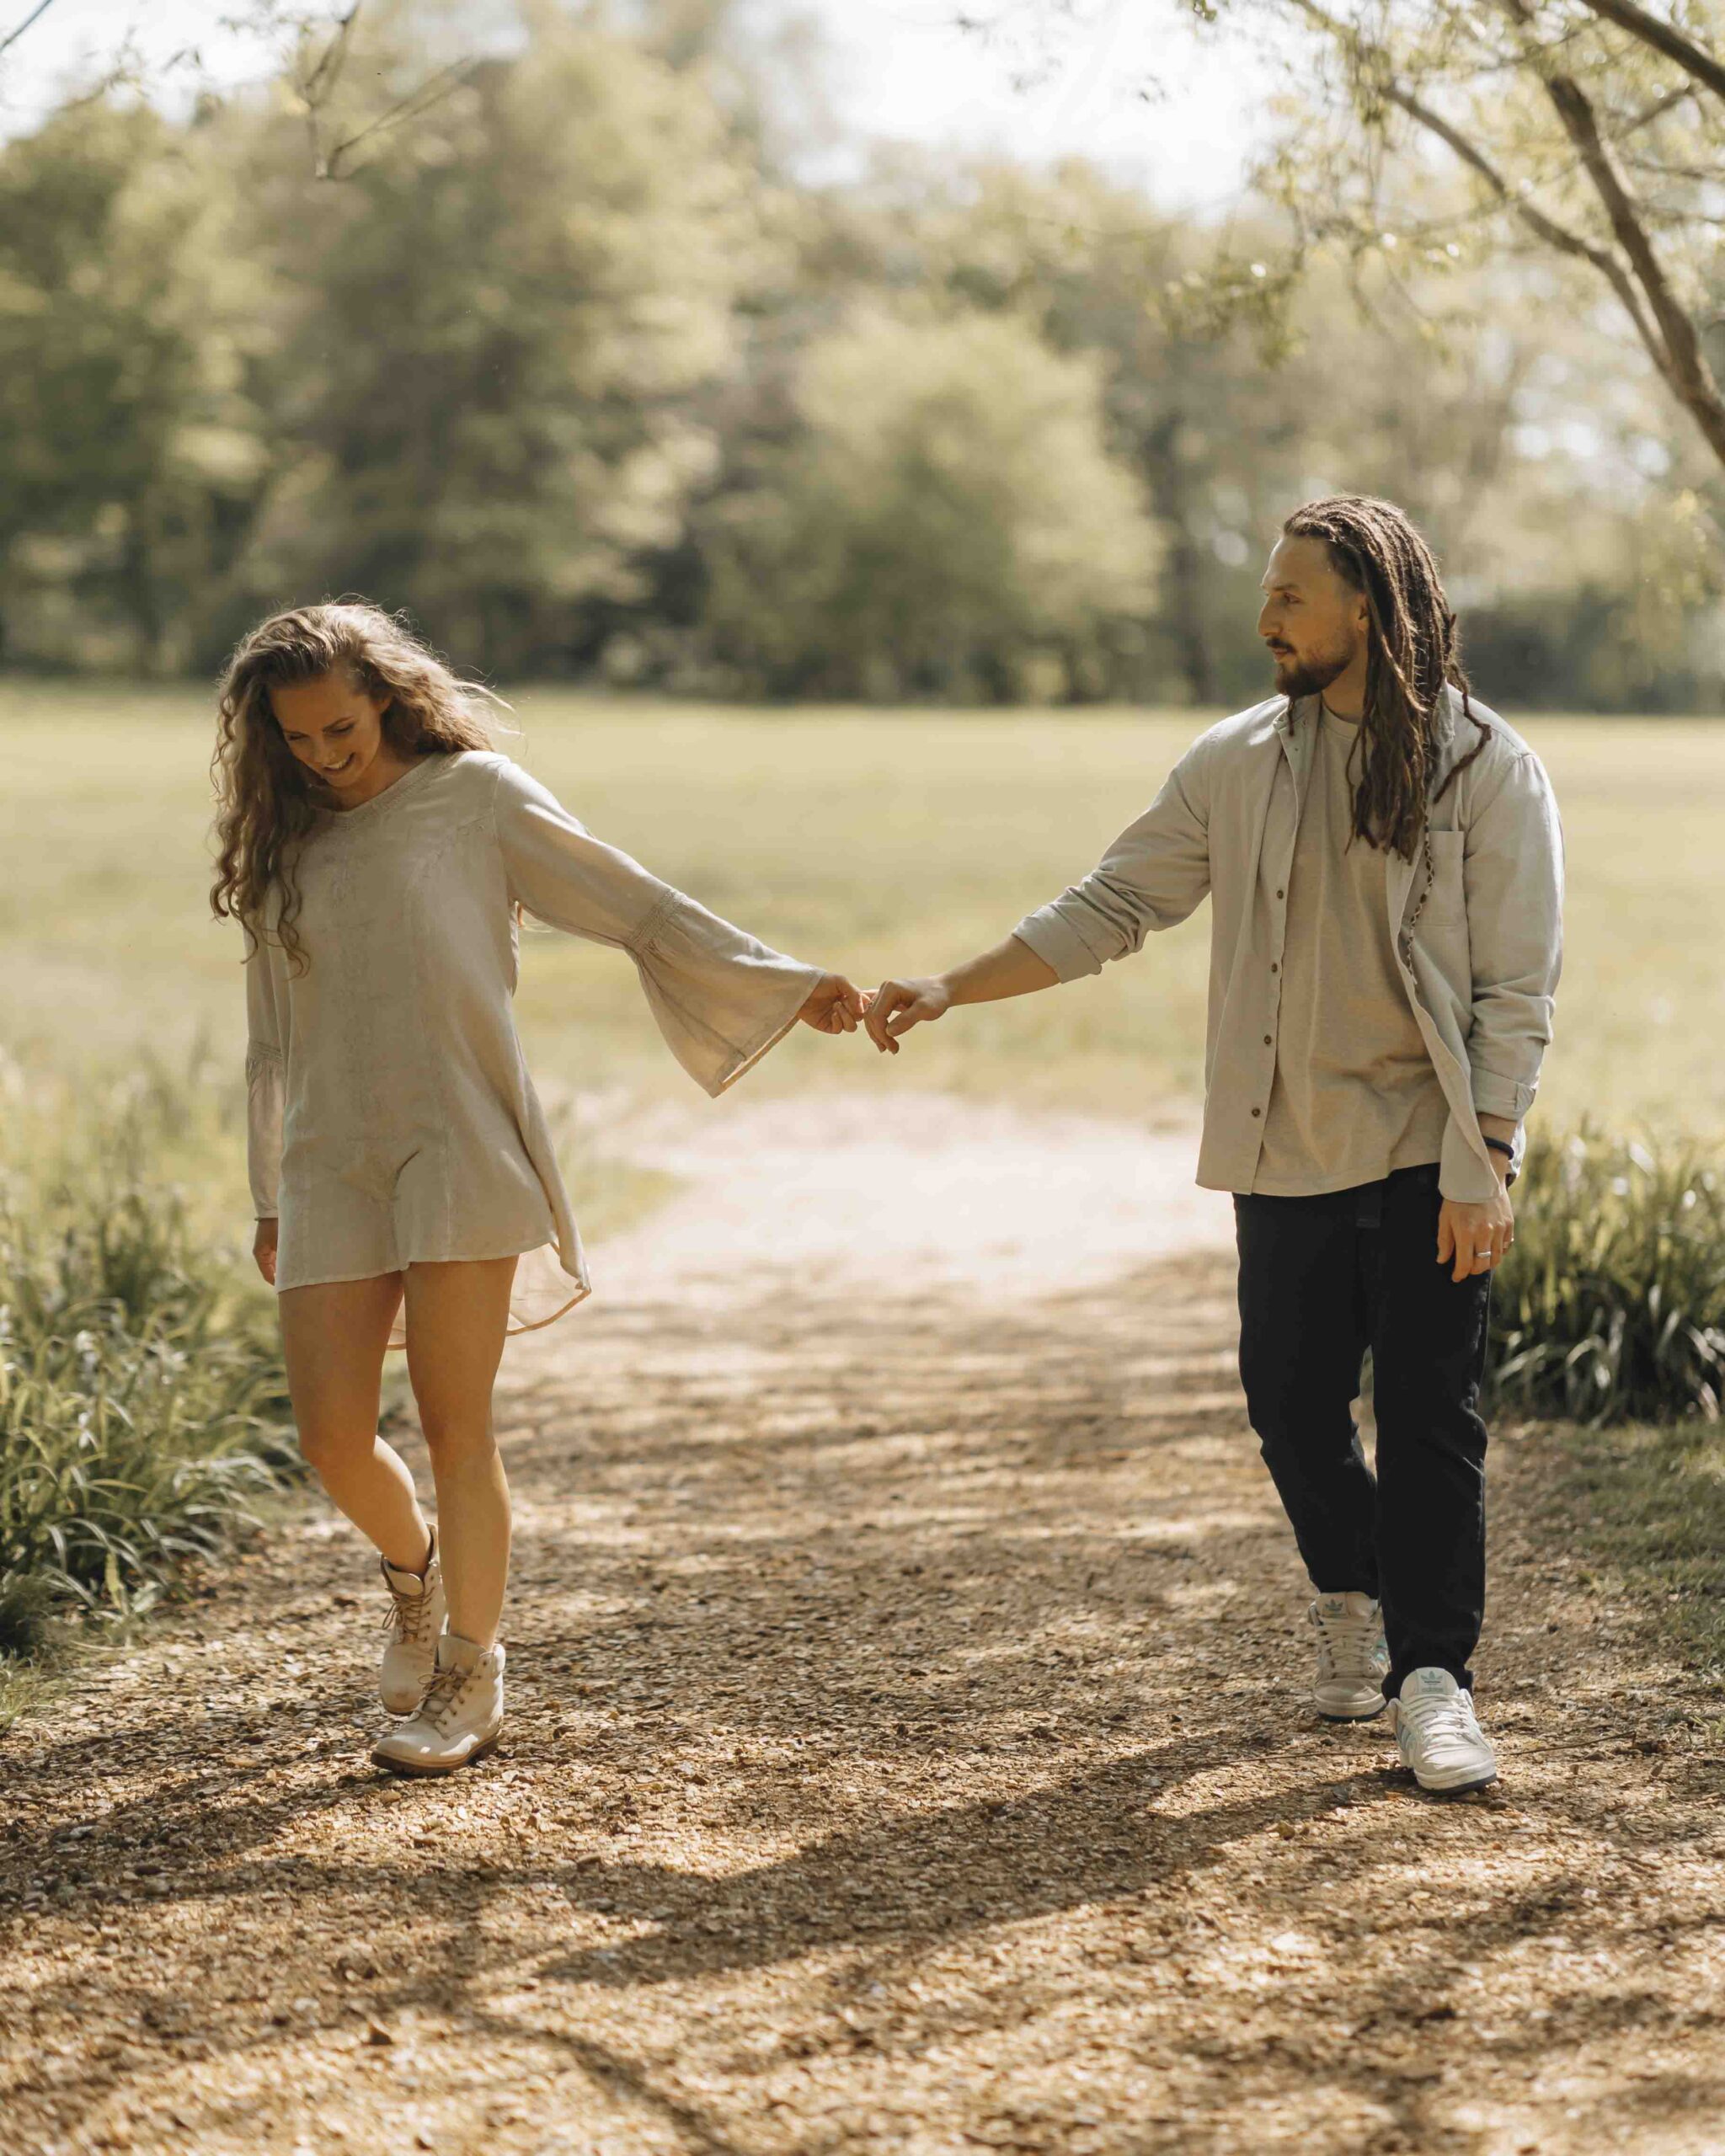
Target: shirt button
[(1267, 1041), (1257, 1111), (1281, 894), (1275, 967)]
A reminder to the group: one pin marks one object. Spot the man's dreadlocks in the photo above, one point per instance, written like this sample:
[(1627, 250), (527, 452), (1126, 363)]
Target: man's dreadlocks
[(1413, 653)]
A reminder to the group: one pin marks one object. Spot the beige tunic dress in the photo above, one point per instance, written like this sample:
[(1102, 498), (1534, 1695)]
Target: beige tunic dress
[(392, 1119)]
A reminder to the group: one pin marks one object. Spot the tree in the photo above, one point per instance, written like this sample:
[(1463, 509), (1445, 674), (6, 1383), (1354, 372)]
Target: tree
[(943, 521), (490, 340), (129, 448), (1589, 130), (1556, 480)]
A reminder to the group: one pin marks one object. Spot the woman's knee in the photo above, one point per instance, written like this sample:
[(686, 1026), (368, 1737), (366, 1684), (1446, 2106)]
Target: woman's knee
[(329, 1449), (457, 1439)]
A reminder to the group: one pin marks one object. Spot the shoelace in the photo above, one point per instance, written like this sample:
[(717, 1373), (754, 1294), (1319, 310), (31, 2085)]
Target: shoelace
[(410, 1615), (1439, 1715), (443, 1696), (1346, 1644)]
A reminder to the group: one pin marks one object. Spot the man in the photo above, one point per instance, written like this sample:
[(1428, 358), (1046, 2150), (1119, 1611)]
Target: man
[(1384, 862)]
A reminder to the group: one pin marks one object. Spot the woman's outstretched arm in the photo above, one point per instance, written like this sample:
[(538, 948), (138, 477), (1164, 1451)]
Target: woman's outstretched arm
[(720, 997)]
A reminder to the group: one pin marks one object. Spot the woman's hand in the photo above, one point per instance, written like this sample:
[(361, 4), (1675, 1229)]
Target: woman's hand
[(836, 1007), (264, 1249)]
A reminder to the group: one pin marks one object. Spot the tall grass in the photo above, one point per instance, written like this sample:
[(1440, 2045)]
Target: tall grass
[(141, 1398), (1611, 1305)]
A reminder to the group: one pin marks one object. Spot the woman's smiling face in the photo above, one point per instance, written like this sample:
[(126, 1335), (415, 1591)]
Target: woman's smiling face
[(336, 731)]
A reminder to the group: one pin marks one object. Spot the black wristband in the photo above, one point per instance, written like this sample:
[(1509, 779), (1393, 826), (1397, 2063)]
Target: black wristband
[(1501, 1145)]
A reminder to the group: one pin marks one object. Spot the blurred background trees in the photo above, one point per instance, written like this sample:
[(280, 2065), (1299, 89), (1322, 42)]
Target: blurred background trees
[(579, 364)]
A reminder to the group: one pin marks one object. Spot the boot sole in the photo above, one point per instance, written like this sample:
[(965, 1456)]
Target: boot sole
[(417, 1771)]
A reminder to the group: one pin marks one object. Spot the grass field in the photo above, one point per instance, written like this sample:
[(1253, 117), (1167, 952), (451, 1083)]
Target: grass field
[(874, 842), (871, 842)]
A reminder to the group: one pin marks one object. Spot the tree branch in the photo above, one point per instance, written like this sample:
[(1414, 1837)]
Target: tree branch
[(1513, 198), (34, 15), (430, 93), (1695, 60), (319, 83), (1684, 365)]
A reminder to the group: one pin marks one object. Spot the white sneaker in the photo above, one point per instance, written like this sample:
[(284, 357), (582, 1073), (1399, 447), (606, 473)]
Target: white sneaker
[(1438, 1735), (459, 1718), (1351, 1658), (414, 1620)]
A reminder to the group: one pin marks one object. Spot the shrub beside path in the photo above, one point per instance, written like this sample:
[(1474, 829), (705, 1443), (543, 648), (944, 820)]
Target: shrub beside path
[(907, 1749)]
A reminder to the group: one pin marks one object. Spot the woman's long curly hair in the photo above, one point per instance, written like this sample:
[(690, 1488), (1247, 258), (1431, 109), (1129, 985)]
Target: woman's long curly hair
[(1413, 654), (267, 803)]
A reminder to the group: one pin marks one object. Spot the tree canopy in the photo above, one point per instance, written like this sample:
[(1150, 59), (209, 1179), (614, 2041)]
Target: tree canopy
[(572, 360)]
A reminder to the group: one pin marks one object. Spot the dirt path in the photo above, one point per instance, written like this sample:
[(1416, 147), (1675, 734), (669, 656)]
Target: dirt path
[(908, 1751)]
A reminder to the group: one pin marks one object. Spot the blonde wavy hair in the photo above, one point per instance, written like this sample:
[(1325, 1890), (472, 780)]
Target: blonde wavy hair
[(267, 803)]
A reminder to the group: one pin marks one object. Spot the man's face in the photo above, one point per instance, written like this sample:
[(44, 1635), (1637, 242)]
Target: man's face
[(1313, 620)]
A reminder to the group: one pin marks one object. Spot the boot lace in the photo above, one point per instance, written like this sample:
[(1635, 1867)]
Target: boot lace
[(409, 1615), (442, 1704), (1347, 1643)]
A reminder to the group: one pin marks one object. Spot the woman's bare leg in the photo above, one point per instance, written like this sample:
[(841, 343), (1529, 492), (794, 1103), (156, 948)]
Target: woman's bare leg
[(332, 1338), (456, 1317)]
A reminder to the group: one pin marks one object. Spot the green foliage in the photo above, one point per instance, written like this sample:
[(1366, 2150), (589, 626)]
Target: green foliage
[(129, 448), (1647, 1506), (576, 368), (945, 522), (141, 1397), (1611, 1306), (488, 369)]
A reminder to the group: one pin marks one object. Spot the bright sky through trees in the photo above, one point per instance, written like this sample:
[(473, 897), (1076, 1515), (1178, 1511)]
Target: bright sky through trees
[(897, 68)]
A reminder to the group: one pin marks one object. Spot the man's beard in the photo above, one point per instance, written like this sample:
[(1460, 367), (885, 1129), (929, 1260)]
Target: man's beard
[(1312, 675)]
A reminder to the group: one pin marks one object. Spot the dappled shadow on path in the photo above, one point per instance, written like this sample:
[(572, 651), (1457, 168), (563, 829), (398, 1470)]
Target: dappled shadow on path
[(907, 1751)]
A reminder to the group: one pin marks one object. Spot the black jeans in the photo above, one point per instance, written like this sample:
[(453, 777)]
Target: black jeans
[(1322, 1280)]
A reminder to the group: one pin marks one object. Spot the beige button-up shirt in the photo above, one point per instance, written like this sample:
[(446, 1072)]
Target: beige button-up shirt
[(1479, 964)]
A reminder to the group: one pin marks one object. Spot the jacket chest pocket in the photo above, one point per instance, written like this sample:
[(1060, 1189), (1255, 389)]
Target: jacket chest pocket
[(1446, 906)]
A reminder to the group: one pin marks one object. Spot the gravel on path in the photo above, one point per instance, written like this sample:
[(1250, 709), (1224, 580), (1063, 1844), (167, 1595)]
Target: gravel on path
[(907, 1748)]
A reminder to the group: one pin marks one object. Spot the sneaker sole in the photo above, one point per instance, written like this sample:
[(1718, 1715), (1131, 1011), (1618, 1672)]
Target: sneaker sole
[(418, 1771), (1365, 1714), (1455, 1788)]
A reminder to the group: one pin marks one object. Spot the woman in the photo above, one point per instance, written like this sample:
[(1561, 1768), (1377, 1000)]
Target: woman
[(379, 856)]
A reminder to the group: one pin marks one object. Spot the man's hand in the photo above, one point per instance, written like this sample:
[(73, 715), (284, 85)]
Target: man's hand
[(1474, 1237), (836, 1005), (264, 1248), (899, 1005)]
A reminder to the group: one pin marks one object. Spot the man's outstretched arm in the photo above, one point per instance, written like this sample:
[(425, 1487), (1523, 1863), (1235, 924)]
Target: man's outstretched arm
[(1152, 876), (1010, 968)]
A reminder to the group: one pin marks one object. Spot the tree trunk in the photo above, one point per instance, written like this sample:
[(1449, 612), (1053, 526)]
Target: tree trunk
[(1169, 486)]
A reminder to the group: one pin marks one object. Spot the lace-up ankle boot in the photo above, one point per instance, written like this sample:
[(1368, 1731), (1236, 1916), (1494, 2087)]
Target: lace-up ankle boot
[(1351, 1659), (1438, 1735), (414, 1621), (459, 1718)]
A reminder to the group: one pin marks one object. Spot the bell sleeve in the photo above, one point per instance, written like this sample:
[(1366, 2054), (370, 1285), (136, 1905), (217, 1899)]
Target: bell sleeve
[(265, 1079), (720, 999)]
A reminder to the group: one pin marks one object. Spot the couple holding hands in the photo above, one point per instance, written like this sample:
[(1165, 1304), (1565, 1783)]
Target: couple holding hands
[(1384, 861)]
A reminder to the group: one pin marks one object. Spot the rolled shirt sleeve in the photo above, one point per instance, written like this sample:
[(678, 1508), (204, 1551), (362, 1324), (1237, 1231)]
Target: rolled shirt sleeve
[(1152, 877), (265, 1076), (720, 998), (1514, 870)]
